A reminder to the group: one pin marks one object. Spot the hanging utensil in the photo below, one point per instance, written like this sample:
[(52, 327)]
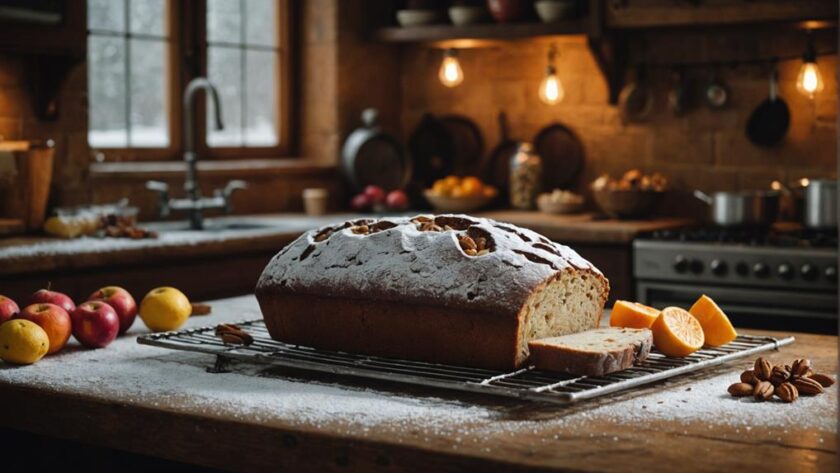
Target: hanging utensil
[(635, 101), (373, 157), (562, 154), (468, 142), (679, 97), (769, 123), (498, 166), (716, 92)]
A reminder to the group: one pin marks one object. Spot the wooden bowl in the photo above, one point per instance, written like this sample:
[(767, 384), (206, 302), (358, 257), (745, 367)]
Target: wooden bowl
[(627, 204), (448, 204)]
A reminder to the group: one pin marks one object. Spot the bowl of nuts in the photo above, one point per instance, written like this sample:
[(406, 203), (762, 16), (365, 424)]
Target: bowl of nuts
[(635, 195), (454, 194), (560, 202)]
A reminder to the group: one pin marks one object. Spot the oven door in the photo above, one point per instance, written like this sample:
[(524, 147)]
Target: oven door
[(798, 311)]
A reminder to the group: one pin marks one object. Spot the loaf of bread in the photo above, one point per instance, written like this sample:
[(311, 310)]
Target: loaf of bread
[(592, 353), (448, 289)]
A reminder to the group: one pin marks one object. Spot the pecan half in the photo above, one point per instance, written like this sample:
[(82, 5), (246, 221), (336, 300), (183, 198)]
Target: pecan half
[(360, 229), (808, 386), (762, 369), (787, 392), (467, 243), (763, 391), (800, 367), (232, 334), (778, 375), (748, 377), (824, 380), (741, 389)]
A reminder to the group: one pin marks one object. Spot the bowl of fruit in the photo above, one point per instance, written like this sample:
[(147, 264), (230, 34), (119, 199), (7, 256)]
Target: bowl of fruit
[(455, 194), (635, 195)]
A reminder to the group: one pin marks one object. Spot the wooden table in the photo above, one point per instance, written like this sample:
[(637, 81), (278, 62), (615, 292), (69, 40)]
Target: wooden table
[(163, 403)]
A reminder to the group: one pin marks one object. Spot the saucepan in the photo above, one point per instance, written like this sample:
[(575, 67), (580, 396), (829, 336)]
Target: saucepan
[(821, 204), (742, 208)]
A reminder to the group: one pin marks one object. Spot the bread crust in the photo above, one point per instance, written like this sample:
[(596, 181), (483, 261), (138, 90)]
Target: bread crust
[(336, 289), (547, 356), (397, 330)]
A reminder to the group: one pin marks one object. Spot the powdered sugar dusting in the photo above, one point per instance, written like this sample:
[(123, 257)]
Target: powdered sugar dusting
[(405, 264)]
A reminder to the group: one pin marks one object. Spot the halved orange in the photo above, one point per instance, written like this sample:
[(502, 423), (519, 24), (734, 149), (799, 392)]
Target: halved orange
[(717, 328), (676, 332), (632, 315)]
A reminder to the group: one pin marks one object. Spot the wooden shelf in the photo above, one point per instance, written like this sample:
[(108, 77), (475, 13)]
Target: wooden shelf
[(488, 31)]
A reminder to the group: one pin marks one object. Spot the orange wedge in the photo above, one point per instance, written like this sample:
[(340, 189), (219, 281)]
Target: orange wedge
[(717, 328), (632, 315), (676, 332)]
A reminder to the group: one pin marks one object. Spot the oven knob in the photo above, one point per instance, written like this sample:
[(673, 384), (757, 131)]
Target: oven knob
[(808, 271), (831, 273), (785, 271), (742, 269), (696, 266), (680, 264), (761, 270), (718, 267)]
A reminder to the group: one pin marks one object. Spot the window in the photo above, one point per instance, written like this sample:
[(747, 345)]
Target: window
[(127, 74), (138, 66)]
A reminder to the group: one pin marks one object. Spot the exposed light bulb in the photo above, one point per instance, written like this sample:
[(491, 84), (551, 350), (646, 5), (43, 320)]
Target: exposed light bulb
[(450, 72), (809, 81), (551, 89)]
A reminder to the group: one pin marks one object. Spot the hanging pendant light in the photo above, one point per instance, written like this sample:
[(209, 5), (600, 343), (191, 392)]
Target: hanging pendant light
[(809, 81), (551, 89), (450, 73)]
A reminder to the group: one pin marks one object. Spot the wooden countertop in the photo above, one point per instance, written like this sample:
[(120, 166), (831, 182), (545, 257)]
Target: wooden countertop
[(21, 255), (164, 403)]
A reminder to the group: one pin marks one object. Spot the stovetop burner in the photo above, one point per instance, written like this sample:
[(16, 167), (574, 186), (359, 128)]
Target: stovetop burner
[(795, 238)]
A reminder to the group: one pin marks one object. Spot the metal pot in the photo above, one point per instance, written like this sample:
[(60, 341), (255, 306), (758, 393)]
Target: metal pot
[(743, 208), (821, 204)]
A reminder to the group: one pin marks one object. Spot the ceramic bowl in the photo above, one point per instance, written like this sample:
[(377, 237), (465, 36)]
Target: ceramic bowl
[(417, 17), (468, 15), (551, 11), (546, 205)]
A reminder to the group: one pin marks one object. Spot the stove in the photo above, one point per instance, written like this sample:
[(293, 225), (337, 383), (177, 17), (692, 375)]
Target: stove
[(783, 280)]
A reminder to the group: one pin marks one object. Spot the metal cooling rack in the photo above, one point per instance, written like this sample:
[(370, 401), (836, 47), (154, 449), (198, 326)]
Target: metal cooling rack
[(527, 383)]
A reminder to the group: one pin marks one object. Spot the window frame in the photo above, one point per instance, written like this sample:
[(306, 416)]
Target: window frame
[(186, 26)]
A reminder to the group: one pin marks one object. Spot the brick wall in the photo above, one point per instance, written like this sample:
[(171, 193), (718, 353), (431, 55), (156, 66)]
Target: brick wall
[(704, 149)]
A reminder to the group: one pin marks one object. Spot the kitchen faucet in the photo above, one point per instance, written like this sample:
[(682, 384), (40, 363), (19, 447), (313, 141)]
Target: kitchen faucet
[(194, 203)]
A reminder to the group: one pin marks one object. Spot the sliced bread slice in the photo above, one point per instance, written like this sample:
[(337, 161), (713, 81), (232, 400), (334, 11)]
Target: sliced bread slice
[(592, 352)]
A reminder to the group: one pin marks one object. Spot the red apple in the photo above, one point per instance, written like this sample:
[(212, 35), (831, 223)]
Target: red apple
[(360, 203), (95, 324), (53, 319), (375, 194), (397, 200), (122, 303), (53, 297), (8, 308)]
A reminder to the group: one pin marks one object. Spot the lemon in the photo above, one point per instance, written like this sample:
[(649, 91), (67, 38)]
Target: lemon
[(164, 309), (22, 342)]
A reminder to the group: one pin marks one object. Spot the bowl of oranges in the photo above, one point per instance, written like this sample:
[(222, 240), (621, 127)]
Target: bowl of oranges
[(456, 194)]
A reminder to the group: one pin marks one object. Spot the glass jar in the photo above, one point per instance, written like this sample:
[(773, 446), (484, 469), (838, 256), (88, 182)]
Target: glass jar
[(525, 177)]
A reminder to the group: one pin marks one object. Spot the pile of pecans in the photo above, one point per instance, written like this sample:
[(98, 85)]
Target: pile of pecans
[(233, 335), (473, 247), (787, 382)]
